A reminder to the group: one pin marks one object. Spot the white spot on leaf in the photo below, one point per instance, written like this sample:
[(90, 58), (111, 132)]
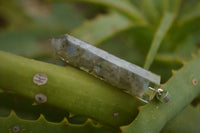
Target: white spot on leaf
[(15, 129), (40, 98), (195, 81), (40, 79), (115, 114)]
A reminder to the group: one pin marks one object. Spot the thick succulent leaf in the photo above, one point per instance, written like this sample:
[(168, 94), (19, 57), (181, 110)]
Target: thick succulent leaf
[(187, 25), (172, 6), (13, 124), (69, 89), (24, 109), (163, 6), (164, 64), (123, 6), (158, 5), (159, 35), (170, 11), (178, 34), (167, 61), (190, 14), (150, 10), (177, 39), (101, 28), (187, 47), (186, 122), (153, 116)]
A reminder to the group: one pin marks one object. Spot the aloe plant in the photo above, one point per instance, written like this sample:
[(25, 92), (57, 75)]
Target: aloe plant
[(162, 36)]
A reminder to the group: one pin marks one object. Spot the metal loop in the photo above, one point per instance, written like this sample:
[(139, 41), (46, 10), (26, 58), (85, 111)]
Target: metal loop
[(161, 94)]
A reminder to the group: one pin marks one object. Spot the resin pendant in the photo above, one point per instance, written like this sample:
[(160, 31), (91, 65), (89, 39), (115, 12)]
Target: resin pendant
[(128, 77)]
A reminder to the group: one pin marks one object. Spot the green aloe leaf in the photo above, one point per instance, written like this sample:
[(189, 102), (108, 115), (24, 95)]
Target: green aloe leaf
[(187, 25), (150, 10), (69, 89), (190, 14), (101, 28), (185, 122), (159, 35), (24, 109), (123, 6), (13, 124), (153, 116), (187, 47), (164, 64)]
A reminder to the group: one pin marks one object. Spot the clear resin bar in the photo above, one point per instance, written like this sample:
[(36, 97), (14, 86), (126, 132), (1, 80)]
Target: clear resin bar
[(128, 77)]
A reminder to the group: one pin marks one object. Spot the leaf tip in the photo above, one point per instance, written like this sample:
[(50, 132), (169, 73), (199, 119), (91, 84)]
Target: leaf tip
[(198, 51), (193, 55), (12, 114), (173, 71), (194, 81)]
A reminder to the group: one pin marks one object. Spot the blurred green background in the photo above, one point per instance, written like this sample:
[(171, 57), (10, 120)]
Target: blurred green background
[(27, 25)]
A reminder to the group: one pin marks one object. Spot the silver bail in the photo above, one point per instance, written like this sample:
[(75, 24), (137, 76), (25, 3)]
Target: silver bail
[(163, 95)]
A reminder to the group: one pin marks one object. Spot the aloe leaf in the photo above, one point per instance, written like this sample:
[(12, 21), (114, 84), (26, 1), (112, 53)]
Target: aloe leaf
[(153, 116), (182, 31), (190, 15), (196, 102), (101, 28), (187, 121), (179, 34), (177, 40), (24, 109), (150, 10), (164, 64), (69, 89), (125, 7), (165, 5), (13, 124), (187, 47), (175, 5), (182, 50), (159, 35), (158, 5)]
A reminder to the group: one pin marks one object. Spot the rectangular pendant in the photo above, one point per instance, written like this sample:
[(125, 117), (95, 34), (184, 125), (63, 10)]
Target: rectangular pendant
[(128, 77)]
